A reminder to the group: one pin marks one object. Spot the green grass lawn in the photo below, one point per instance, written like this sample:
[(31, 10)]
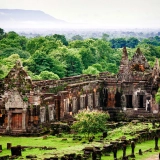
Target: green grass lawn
[(76, 146), (65, 147)]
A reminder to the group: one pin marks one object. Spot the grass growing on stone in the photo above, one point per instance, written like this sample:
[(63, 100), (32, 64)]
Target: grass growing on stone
[(129, 130)]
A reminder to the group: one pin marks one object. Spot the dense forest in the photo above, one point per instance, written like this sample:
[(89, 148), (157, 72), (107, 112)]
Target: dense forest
[(55, 56)]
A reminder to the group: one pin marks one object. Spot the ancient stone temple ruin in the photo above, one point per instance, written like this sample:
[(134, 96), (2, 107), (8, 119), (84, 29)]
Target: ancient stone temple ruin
[(28, 106)]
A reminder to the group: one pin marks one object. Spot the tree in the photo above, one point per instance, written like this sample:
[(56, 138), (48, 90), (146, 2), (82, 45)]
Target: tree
[(2, 33), (12, 35), (39, 62), (103, 50), (132, 42), (7, 63), (45, 75), (112, 68), (98, 67), (87, 56), (70, 58), (118, 42), (90, 122), (9, 51), (74, 64), (91, 70), (62, 38), (35, 44)]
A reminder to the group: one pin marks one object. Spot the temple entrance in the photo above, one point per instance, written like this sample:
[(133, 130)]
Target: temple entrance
[(118, 99), (103, 98), (140, 101), (129, 101), (16, 123), (2, 118)]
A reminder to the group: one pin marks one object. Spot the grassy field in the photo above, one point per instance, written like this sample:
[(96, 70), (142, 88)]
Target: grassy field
[(65, 147), (66, 144)]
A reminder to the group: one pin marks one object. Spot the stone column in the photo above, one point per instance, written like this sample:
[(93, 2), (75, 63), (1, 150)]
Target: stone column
[(8, 128), (94, 98), (24, 119)]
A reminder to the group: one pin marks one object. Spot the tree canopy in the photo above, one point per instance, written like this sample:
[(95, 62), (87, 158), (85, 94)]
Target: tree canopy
[(64, 57)]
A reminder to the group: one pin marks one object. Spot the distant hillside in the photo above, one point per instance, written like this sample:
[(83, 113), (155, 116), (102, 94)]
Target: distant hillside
[(25, 18)]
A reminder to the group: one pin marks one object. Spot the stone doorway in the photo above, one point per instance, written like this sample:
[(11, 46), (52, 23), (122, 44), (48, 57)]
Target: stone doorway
[(129, 101), (140, 101), (16, 123), (118, 99), (2, 119)]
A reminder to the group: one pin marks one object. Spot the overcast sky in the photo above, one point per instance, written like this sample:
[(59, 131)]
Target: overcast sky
[(120, 13)]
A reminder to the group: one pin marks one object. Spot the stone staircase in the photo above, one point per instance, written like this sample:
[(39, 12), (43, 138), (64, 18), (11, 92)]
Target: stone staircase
[(117, 114), (140, 114)]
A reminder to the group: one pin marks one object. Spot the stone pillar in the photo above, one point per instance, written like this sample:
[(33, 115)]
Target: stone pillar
[(74, 105), (156, 143), (94, 97), (133, 147), (124, 151), (8, 128), (135, 99), (115, 152), (82, 101), (90, 101), (24, 119)]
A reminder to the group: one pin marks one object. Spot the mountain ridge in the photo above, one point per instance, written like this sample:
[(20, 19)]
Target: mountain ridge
[(20, 18), (26, 15)]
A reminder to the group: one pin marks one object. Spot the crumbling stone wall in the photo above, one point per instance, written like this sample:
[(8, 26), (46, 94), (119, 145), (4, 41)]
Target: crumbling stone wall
[(32, 105)]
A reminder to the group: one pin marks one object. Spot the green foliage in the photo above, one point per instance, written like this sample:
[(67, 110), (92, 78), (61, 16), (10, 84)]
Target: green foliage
[(98, 67), (157, 96), (70, 58), (39, 62), (53, 53), (87, 56), (90, 122), (118, 42), (48, 75), (132, 42), (62, 38), (74, 65), (2, 33), (91, 70), (9, 51), (111, 67), (7, 64)]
